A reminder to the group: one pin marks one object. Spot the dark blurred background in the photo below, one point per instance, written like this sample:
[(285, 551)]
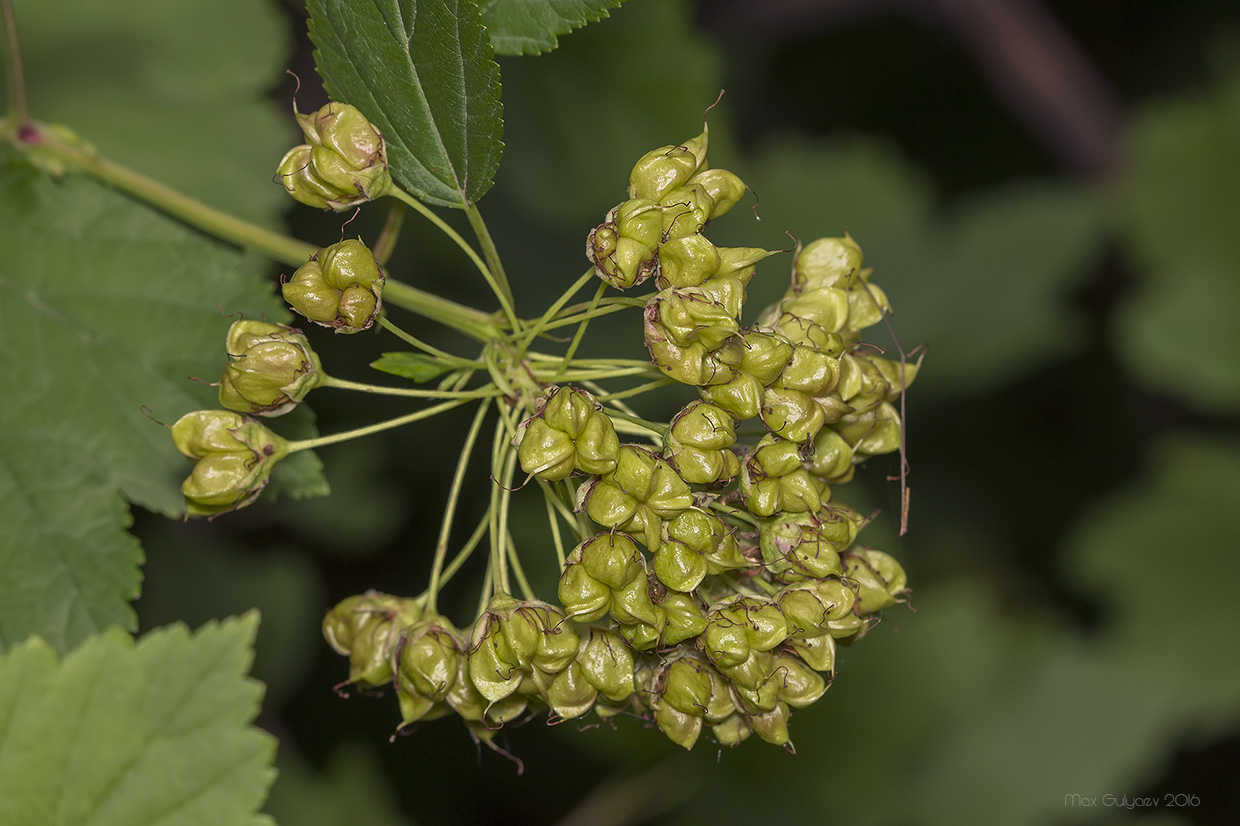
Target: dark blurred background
[(1050, 193)]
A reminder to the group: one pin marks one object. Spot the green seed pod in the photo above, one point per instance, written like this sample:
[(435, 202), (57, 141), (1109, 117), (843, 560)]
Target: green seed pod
[(872, 433), (867, 303), (624, 247), (645, 636), (824, 307), (704, 426), (482, 716), (686, 210), (514, 640), (807, 545), (568, 432), (740, 626), (681, 728), (341, 287), (687, 261), (698, 444), (679, 567), (427, 663), (233, 459), (761, 697), (832, 457), (298, 174), (686, 685), (570, 694), (690, 316), (607, 663), (685, 618), (791, 414), (270, 368), (732, 731), (636, 496), (610, 558), (724, 188), (772, 726), (826, 263), (762, 357), (740, 262), (686, 688), (583, 597), (368, 630), (343, 163), (810, 370), (880, 579), (706, 534), (661, 170), (852, 625), (817, 652), (811, 606), (800, 685), (631, 605), (774, 480)]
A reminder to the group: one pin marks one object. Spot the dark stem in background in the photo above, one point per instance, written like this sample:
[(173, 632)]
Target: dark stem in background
[(1047, 80), (18, 112)]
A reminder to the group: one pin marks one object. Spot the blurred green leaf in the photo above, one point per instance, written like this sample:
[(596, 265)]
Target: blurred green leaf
[(970, 713), (1178, 332), (423, 73), (413, 366), (119, 733), (575, 124), (1162, 555), (175, 90), (529, 27), (195, 573), (112, 307), (986, 283), (351, 789)]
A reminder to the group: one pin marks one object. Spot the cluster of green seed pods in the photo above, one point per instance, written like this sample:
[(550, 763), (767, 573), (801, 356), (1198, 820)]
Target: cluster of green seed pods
[(721, 573)]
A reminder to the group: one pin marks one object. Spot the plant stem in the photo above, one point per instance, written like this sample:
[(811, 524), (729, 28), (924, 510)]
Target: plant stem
[(466, 551), (645, 426), (454, 493), (595, 375), (522, 582), (554, 522), (537, 327), (634, 391), (501, 291), (413, 341), (500, 280), (498, 569), (388, 236), (322, 441), (581, 331), (344, 384), (474, 323), (52, 145), (18, 111)]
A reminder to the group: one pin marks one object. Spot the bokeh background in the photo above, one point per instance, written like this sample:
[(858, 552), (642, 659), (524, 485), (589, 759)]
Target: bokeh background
[(1050, 192)]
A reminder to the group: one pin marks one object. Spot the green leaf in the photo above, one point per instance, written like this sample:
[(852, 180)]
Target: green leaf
[(193, 575), (1162, 555), (122, 733), (1178, 331), (413, 366), (423, 74), (108, 309), (529, 27), (352, 789), (568, 168), (178, 91), (986, 283)]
